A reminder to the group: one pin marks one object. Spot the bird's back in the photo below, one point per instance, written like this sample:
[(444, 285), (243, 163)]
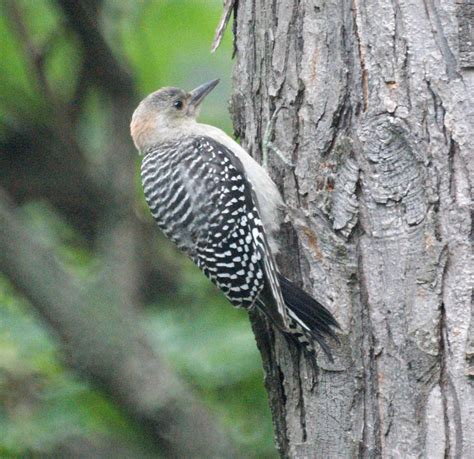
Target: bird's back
[(202, 202), (166, 193)]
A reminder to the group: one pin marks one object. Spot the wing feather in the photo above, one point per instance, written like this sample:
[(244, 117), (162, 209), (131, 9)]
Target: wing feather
[(238, 188)]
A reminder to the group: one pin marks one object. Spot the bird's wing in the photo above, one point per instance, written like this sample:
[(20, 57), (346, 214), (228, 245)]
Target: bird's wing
[(233, 249)]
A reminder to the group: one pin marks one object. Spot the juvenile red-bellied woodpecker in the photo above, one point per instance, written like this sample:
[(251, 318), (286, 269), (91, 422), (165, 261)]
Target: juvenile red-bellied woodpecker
[(220, 207)]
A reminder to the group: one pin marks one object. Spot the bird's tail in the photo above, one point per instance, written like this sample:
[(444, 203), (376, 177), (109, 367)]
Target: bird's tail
[(309, 320)]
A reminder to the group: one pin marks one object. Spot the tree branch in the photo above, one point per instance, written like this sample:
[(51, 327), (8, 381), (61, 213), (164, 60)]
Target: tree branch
[(101, 339), (35, 59), (108, 72)]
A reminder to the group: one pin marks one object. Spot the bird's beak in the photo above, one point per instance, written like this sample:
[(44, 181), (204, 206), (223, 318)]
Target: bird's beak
[(198, 94)]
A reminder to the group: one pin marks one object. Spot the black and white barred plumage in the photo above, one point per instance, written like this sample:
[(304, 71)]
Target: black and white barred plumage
[(206, 195), (199, 197)]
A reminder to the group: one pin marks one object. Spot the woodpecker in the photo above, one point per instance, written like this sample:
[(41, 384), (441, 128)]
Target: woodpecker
[(220, 207)]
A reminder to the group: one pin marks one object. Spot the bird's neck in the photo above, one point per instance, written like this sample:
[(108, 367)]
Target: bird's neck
[(147, 135)]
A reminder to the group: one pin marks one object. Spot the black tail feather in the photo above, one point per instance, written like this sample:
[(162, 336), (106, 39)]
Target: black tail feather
[(316, 317)]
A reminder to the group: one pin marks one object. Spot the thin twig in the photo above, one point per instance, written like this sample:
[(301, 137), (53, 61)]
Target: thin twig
[(228, 7), (34, 54), (36, 57)]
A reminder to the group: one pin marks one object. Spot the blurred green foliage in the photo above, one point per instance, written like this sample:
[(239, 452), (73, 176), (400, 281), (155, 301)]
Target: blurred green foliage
[(42, 404), (211, 345)]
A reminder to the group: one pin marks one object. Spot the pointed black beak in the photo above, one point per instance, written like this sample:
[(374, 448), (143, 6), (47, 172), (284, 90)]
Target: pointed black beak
[(198, 94)]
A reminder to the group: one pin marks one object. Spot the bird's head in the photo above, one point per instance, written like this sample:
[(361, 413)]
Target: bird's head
[(165, 114)]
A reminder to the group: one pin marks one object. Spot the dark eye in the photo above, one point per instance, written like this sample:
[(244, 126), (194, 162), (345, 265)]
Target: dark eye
[(178, 104)]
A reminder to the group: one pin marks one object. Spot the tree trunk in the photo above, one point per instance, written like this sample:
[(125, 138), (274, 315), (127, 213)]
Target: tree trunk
[(374, 115)]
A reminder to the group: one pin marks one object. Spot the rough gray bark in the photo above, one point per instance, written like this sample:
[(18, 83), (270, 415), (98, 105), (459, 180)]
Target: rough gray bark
[(377, 120)]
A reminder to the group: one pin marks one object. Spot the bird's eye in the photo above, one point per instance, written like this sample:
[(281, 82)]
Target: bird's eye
[(178, 104)]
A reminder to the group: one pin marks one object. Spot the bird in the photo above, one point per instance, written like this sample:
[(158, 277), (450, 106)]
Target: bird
[(222, 209)]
